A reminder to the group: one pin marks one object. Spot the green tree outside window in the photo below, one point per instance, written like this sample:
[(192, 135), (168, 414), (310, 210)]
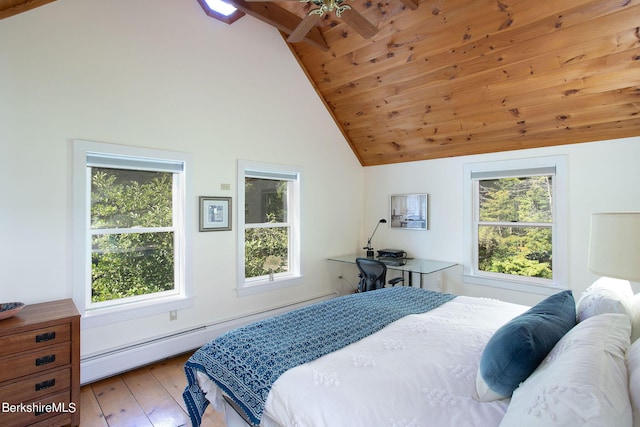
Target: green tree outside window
[(267, 229), (132, 240), (514, 229)]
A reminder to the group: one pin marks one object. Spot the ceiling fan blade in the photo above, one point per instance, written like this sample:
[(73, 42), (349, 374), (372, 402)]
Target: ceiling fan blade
[(359, 23), (303, 28)]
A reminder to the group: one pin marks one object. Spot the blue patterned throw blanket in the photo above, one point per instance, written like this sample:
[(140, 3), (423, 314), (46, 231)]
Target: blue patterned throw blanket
[(245, 362)]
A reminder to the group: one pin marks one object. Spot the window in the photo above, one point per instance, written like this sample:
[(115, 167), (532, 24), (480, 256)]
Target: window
[(269, 217), (131, 240), (221, 10), (516, 224)]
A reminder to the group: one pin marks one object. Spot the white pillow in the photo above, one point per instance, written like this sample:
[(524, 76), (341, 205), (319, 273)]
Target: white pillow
[(635, 318), (582, 382), (633, 365), (605, 295)]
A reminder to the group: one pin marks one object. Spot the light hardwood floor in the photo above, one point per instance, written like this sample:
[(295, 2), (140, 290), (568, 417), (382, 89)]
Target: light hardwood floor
[(145, 397)]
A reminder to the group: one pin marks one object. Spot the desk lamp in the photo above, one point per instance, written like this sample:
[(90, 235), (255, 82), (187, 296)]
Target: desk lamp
[(614, 247), (368, 247)]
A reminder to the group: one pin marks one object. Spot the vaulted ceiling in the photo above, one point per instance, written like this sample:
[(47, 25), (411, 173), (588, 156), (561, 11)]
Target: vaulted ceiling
[(458, 77), (446, 78)]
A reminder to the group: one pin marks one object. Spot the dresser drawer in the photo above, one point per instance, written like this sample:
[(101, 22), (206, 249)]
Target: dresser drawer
[(40, 366), (36, 386), (37, 410), (28, 363), (35, 339), (62, 420)]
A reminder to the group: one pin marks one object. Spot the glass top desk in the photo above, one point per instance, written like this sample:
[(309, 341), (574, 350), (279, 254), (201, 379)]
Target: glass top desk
[(412, 265)]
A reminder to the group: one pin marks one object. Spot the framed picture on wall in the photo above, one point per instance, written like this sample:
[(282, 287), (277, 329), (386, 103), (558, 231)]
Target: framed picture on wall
[(410, 211), (215, 213)]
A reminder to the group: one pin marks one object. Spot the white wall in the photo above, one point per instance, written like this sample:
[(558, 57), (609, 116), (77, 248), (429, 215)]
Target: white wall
[(603, 176), (163, 75), (160, 74)]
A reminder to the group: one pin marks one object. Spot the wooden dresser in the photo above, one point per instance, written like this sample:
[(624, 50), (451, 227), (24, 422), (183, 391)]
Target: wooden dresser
[(40, 366)]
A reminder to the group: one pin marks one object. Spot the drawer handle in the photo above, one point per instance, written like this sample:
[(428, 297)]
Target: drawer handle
[(45, 384), (45, 360), (47, 336)]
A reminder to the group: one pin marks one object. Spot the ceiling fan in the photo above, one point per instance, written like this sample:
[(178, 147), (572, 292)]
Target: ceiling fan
[(349, 15)]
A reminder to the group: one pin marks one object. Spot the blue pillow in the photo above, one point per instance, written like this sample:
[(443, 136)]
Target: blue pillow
[(518, 347)]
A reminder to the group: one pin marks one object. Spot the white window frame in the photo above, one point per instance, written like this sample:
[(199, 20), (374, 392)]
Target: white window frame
[(503, 169), (98, 314), (250, 286)]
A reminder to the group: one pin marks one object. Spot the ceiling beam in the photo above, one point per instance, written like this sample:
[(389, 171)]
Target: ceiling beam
[(282, 19), (13, 7), (410, 4)]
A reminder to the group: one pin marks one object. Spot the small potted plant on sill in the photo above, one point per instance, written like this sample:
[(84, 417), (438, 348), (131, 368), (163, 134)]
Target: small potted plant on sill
[(272, 263)]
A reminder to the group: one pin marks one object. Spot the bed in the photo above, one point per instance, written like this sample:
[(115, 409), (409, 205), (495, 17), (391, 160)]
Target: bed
[(409, 357)]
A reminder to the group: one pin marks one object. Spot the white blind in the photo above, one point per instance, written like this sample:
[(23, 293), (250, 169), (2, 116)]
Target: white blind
[(282, 176), (103, 160), (539, 171)]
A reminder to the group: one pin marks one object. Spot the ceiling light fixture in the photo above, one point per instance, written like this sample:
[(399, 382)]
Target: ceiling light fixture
[(328, 6), (349, 15)]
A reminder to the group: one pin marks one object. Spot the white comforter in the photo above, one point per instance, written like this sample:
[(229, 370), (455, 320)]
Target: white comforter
[(419, 371)]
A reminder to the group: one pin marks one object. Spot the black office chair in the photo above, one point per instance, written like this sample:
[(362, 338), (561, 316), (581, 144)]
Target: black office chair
[(373, 275)]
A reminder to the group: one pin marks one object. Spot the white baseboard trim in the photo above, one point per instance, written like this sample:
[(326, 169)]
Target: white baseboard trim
[(108, 363)]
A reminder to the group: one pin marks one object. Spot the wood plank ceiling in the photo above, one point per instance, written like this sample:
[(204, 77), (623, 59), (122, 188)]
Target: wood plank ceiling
[(460, 77)]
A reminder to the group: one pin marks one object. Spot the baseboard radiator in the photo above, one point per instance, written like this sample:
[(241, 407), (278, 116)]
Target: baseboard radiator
[(105, 364)]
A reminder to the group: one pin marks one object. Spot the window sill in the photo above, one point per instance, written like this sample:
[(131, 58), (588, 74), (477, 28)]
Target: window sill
[(109, 315), (261, 286), (512, 285)]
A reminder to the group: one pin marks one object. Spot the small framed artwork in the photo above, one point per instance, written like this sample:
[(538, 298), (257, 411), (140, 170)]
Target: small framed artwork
[(410, 211), (215, 213)]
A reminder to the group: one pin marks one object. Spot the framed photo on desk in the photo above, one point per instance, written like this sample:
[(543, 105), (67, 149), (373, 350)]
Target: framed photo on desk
[(410, 211)]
